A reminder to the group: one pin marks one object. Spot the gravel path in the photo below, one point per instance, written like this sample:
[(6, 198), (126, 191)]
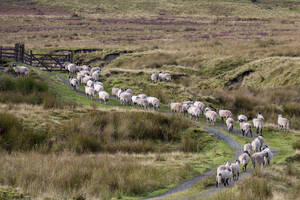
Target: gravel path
[(191, 182)]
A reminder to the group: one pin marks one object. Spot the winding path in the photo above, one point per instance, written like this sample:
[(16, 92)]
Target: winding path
[(191, 182)]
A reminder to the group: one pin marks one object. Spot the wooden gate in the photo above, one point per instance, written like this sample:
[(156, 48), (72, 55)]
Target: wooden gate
[(49, 62)]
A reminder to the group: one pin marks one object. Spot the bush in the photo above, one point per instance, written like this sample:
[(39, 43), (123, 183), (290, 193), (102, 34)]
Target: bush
[(254, 188), (296, 144), (14, 137)]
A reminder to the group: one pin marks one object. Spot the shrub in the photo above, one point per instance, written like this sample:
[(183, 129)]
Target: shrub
[(254, 188), (296, 144)]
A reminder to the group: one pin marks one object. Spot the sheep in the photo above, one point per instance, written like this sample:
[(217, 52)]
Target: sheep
[(95, 75), (283, 123), (89, 91), (256, 145), (103, 96), (235, 170), (95, 69), (119, 92), (79, 76), (200, 105), (86, 68), (98, 87), (85, 79), (114, 91), (142, 96), (90, 83), (246, 129), (242, 118), (259, 159), (175, 107), (153, 102), (223, 175), (224, 114), (134, 100), (211, 116), (248, 147), (125, 98), (207, 109), (185, 106), (164, 76), (258, 123), (71, 67), (194, 112), (154, 77), (129, 91), (261, 140), (74, 83), (230, 124), (142, 102), (21, 70), (244, 159), (270, 155)]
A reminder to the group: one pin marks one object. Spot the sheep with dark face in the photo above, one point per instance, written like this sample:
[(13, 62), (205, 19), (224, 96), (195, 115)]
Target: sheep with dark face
[(194, 112), (21, 70), (223, 175), (74, 83), (256, 145), (103, 96), (246, 129), (242, 118), (270, 155), (200, 105), (211, 116)]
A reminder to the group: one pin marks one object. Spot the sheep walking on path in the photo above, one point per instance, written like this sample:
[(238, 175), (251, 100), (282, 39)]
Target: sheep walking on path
[(229, 124), (244, 159)]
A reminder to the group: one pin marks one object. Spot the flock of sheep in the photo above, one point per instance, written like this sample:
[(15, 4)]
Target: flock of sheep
[(160, 76), (89, 77), (256, 151)]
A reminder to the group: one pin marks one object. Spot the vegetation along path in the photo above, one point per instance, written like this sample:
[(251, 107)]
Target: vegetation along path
[(191, 182)]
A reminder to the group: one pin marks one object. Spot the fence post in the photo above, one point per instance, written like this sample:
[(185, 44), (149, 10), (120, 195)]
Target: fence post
[(17, 52), (1, 54), (21, 52), (30, 57), (71, 57)]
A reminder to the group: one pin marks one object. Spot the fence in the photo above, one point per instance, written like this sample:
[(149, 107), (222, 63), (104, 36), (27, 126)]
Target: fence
[(49, 62)]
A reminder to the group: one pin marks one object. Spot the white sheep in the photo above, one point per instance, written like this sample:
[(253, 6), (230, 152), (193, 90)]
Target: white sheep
[(95, 69), (258, 124), (142, 102), (211, 116), (258, 158), (244, 159), (21, 70), (261, 140), (256, 145), (224, 114), (248, 147), (89, 91), (194, 112), (103, 96), (90, 83), (125, 98), (95, 75), (283, 123), (153, 102), (175, 107), (229, 124), (86, 68), (270, 155), (164, 76), (200, 105), (242, 118), (98, 87), (142, 96), (235, 170), (114, 91), (134, 100), (185, 106), (85, 79), (154, 77), (223, 175), (71, 67), (119, 92), (207, 109), (246, 129)]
